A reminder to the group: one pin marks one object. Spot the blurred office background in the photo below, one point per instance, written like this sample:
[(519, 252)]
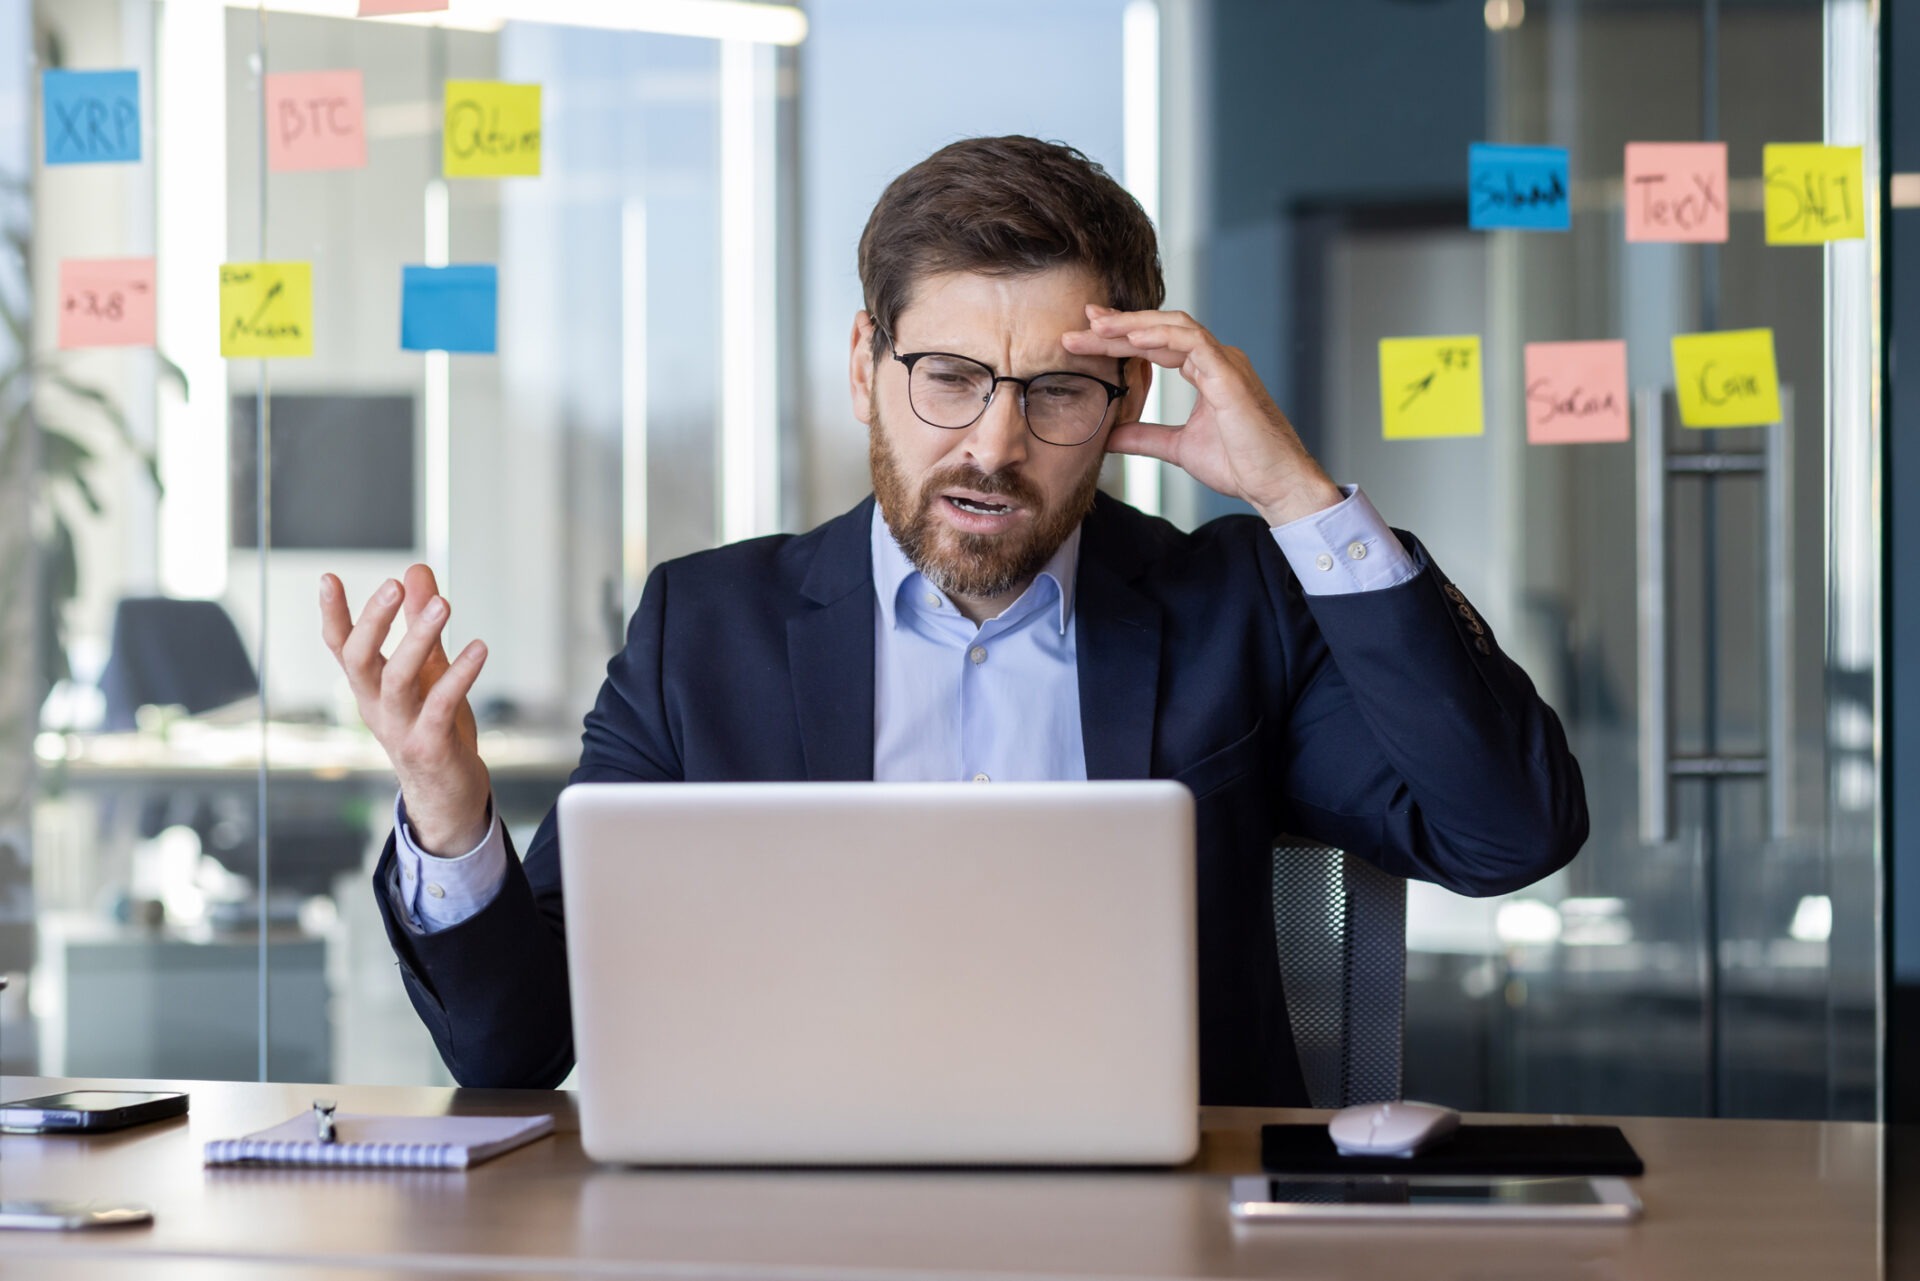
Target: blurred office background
[(677, 287)]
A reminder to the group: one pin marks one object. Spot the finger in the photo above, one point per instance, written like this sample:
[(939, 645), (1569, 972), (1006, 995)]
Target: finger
[(336, 624), (1144, 440), (402, 675), (361, 654), (449, 693), (1108, 321), (421, 589), (1082, 342)]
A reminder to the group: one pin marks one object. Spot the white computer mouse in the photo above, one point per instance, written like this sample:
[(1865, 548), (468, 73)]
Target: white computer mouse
[(1391, 1129)]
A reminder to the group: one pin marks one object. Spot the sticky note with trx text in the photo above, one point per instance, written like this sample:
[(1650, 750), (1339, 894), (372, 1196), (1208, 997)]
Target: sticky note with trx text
[(1815, 193), (1677, 191), (91, 117), (1726, 379), (1576, 392), (316, 120), (492, 130), (1430, 387), (266, 309)]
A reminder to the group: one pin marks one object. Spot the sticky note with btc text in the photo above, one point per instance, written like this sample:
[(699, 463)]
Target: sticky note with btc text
[(492, 130), (266, 309), (316, 120), (1815, 193), (1726, 379), (1430, 387)]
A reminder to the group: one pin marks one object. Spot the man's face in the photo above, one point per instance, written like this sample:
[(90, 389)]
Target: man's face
[(980, 510)]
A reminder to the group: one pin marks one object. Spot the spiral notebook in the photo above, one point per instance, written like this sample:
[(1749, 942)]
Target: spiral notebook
[(390, 1142)]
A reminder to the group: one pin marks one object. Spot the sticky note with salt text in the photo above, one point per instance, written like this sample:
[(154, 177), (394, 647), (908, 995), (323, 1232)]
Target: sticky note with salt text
[(1677, 191), (106, 302), (1430, 387), (1524, 188), (266, 309), (1576, 393), (449, 308), (91, 117), (381, 8), (316, 120), (1726, 379), (492, 130), (1815, 193)]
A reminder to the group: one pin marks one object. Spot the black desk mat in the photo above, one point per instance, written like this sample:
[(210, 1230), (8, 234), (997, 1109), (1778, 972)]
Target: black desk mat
[(1472, 1149)]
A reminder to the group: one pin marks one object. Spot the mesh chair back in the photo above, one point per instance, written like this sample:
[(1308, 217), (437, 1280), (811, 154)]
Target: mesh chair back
[(1341, 927)]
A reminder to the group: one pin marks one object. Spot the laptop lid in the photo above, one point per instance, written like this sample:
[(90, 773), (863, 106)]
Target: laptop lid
[(883, 973)]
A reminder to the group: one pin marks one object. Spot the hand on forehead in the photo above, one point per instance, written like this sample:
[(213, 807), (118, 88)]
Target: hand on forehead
[(1013, 323)]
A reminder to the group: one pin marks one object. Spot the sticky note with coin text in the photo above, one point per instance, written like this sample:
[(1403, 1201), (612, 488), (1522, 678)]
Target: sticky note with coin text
[(492, 130), (106, 302), (316, 120), (1576, 393), (449, 308), (1525, 188), (1431, 387), (1677, 191), (1815, 193), (1726, 379), (91, 117), (266, 309)]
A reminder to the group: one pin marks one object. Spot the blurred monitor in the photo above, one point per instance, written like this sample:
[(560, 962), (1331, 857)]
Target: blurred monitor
[(343, 472)]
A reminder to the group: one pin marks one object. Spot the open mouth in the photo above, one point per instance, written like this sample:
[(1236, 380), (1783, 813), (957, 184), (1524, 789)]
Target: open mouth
[(978, 506)]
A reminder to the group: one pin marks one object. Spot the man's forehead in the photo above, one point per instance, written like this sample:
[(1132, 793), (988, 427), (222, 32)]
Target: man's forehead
[(1032, 308)]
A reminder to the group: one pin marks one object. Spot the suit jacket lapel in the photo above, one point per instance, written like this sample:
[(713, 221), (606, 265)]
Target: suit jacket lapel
[(830, 653), (1118, 644)]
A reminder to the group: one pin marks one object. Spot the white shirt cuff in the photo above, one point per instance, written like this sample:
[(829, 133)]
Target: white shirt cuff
[(1346, 548), (434, 893)]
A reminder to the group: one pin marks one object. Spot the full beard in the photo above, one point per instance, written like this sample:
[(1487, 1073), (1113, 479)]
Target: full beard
[(982, 566)]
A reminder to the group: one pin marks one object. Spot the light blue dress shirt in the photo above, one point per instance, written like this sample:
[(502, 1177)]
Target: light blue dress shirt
[(951, 700)]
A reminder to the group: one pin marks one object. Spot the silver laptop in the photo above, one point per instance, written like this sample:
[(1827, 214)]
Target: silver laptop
[(858, 973)]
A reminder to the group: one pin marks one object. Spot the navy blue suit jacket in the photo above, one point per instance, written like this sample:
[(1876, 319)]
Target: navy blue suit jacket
[(1387, 723)]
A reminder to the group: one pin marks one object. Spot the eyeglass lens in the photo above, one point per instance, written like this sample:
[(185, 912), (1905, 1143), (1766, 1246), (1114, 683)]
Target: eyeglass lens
[(952, 392)]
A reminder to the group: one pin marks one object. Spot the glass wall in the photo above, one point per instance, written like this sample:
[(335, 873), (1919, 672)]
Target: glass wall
[(185, 786)]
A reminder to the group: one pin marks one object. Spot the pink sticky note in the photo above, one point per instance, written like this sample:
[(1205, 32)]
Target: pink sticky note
[(316, 120), (1677, 191), (106, 302), (1576, 392), (381, 8)]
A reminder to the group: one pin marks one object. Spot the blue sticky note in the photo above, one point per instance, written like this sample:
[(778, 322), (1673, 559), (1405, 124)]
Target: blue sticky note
[(1520, 187), (92, 117), (449, 308)]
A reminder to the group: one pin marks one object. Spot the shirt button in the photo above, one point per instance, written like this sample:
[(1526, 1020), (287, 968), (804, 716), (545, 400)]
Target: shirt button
[(981, 778), (1357, 551), (1323, 561), (933, 599), (435, 890), (978, 654)]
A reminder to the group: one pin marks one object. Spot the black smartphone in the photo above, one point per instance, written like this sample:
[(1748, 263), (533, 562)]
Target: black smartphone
[(90, 1111)]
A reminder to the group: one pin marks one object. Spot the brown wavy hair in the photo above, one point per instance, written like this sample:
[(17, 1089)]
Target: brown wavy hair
[(1006, 207)]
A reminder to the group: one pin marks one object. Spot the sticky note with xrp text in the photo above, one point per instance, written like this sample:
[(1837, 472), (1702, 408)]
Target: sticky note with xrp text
[(266, 309), (492, 130), (1726, 379), (449, 308), (106, 302), (1525, 188), (1814, 193), (1430, 387), (91, 117), (1677, 191), (1576, 392), (316, 120)]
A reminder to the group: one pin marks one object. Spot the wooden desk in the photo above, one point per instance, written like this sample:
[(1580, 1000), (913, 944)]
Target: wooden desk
[(1753, 1199)]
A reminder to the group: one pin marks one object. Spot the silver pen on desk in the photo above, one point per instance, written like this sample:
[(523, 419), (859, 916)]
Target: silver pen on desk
[(323, 1120)]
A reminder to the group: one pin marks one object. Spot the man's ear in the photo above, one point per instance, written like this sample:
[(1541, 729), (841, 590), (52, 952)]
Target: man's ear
[(860, 367), (1139, 380)]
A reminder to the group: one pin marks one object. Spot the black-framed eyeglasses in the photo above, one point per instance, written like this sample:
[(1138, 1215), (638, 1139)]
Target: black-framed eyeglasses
[(953, 393)]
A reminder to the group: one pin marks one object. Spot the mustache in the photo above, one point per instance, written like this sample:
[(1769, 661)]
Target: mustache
[(1000, 484)]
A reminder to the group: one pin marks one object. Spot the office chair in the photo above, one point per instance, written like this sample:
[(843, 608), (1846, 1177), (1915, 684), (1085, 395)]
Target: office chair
[(1341, 927), (166, 651)]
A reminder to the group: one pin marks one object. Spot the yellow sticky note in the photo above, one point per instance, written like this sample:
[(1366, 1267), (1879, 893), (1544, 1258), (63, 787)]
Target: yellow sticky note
[(1431, 387), (266, 309), (1815, 193), (1726, 379), (492, 130)]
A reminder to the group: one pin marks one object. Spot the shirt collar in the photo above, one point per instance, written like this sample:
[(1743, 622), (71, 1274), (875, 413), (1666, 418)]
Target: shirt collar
[(893, 573)]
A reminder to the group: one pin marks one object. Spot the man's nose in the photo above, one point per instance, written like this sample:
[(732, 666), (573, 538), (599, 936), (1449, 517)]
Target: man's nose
[(999, 439)]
